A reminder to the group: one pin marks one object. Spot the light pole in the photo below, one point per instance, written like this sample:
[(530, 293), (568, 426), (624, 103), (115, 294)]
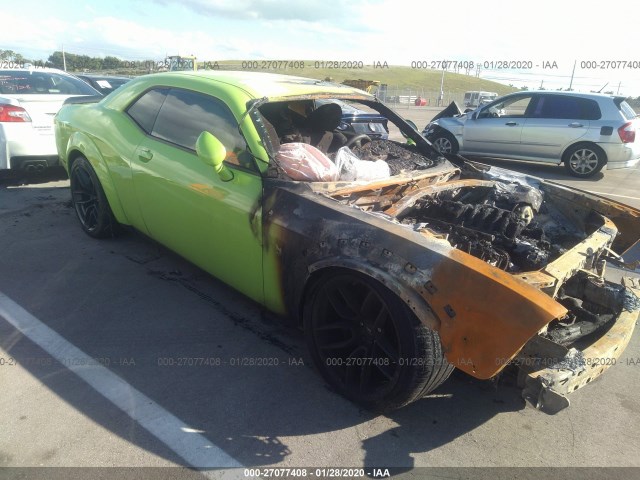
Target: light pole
[(441, 97), (572, 73)]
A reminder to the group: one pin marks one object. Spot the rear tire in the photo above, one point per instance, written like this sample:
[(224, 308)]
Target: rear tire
[(444, 142), (584, 160), (368, 345), (90, 202)]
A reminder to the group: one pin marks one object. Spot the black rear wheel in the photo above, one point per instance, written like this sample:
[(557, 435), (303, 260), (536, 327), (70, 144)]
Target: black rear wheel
[(89, 200), (368, 345)]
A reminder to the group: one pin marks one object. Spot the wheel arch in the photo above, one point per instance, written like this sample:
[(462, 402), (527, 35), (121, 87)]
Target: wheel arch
[(564, 157), (445, 132), (80, 144), (408, 296)]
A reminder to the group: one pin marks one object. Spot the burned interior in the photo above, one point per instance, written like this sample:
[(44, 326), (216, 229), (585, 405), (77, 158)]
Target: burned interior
[(302, 121)]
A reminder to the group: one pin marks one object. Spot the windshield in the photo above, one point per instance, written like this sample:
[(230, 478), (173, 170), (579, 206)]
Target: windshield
[(107, 84), (41, 83), (346, 107)]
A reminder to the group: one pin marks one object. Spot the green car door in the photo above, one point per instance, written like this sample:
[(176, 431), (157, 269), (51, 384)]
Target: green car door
[(185, 205)]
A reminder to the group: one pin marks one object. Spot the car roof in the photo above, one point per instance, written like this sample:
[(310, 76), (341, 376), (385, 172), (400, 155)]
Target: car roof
[(272, 86), (574, 94), (98, 76), (36, 69)]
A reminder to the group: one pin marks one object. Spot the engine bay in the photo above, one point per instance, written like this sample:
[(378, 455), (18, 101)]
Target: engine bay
[(509, 226)]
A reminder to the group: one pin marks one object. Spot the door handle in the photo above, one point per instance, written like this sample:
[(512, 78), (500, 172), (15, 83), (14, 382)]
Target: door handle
[(145, 154), (511, 124), (576, 125)]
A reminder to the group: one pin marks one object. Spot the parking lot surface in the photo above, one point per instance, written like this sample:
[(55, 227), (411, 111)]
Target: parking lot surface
[(120, 353)]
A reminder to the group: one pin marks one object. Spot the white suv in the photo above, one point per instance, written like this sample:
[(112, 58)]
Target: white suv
[(585, 131)]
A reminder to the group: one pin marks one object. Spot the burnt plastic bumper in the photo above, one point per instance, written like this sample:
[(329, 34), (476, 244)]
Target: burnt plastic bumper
[(548, 371)]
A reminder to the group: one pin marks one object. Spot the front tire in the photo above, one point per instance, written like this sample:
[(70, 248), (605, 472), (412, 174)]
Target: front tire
[(89, 201), (444, 142), (584, 160), (368, 345)]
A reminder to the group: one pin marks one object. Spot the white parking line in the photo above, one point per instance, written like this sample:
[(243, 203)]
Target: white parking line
[(184, 440), (613, 195)]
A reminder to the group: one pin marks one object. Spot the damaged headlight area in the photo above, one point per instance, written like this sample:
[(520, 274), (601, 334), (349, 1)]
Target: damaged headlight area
[(592, 303), (576, 349)]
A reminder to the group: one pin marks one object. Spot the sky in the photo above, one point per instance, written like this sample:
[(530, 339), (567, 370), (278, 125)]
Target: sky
[(590, 33)]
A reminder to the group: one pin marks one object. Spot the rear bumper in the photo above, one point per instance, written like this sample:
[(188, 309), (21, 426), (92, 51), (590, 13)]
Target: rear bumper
[(549, 372), (627, 164), (34, 162), (20, 143), (621, 155)]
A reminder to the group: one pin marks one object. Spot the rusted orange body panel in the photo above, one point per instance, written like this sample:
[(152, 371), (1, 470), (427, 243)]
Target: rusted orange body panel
[(495, 314)]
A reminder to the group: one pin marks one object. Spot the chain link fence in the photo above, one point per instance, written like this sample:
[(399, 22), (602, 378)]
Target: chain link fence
[(399, 97)]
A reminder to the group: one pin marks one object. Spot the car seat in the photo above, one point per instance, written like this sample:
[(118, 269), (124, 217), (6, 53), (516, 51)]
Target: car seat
[(321, 125)]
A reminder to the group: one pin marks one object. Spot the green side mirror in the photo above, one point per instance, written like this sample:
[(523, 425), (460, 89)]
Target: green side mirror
[(412, 123), (409, 141), (212, 152)]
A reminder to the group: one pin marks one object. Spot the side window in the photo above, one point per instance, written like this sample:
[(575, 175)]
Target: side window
[(145, 110), (511, 107), (185, 115), (566, 107), (516, 107), (590, 109)]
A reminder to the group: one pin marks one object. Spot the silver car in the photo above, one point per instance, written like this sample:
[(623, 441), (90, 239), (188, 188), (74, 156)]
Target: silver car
[(585, 131), (29, 99)]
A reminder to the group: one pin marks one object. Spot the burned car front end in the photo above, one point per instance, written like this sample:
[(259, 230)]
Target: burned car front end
[(506, 268), (547, 237)]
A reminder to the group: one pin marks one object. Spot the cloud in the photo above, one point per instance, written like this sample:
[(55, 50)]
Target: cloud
[(312, 11), (42, 34), (108, 35), (396, 31)]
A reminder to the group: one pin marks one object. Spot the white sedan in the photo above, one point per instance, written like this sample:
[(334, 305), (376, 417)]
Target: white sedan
[(29, 99)]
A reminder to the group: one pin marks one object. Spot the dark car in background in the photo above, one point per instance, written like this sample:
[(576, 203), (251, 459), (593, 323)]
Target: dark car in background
[(105, 84), (357, 121)]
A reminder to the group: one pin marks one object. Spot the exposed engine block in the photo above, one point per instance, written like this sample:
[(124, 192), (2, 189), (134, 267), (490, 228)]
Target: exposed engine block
[(506, 239)]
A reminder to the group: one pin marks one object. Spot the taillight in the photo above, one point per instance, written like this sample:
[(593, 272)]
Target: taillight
[(11, 113), (627, 132)]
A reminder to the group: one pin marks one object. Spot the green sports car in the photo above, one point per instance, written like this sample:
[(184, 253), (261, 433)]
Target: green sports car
[(399, 263)]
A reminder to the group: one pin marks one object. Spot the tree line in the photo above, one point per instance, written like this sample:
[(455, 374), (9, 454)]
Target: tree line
[(74, 62)]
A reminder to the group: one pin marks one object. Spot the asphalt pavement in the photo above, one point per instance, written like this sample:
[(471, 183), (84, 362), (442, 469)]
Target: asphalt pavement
[(118, 353)]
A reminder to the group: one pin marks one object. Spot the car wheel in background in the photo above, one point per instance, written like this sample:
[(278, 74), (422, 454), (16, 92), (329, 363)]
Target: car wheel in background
[(368, 344), (444, 142), (89, 200), (584, 160)]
